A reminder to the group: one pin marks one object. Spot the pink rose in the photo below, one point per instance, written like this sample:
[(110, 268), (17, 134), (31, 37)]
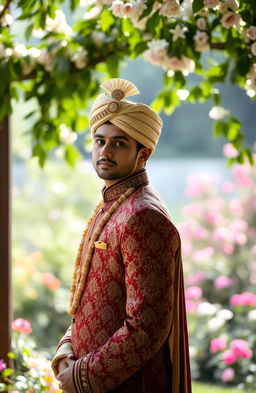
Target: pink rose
[(227, 186), (229, 357), (217, 344), (230, 19), (240, 348), (191, 306), (222, 282), (50, 281), (193, 293), (229, 150), (227, 375), (243, 299), (204, 254), (196, 278), (2, 365), (22, 325)]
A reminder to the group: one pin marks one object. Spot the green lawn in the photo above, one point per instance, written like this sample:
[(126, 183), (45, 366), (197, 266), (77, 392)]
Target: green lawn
[(203, 388)]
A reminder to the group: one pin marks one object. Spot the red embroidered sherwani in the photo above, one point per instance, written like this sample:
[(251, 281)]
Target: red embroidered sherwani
[(129, 333)]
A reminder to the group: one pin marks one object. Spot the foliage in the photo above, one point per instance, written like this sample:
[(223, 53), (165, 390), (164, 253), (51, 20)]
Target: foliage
[(219, 249), (64, 67), (31, 371), (45, 240)]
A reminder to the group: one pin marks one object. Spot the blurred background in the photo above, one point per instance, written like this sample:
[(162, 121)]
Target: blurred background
[(213, 206)]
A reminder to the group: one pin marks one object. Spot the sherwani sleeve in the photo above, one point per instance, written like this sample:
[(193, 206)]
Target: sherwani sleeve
[(64, 349), (148, 246)]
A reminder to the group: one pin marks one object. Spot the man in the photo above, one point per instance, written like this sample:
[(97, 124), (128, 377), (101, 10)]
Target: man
[(129, 331)]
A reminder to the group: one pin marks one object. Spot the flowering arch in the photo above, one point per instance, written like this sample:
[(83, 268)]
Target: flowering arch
[(62, 69)]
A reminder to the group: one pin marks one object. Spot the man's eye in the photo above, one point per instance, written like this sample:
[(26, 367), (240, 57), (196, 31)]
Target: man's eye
[(99, 141), (119, 144)]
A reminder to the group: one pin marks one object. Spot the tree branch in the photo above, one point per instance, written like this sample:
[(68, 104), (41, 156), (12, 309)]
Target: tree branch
[(5, 8), (218, 45)]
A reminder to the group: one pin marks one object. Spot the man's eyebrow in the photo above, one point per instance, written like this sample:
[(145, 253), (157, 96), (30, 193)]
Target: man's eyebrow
[(113, 137)]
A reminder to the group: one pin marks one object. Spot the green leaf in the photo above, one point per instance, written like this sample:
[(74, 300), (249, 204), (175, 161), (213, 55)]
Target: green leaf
[(107, 19), (220, 128), (153, 22), (11, 355), (28, 31), (148, 10), (197, 5), (82, 123), (249, 155), (74, 4), (7, 372), (62, 68), (112, 66), (71, 155), (234, 128)]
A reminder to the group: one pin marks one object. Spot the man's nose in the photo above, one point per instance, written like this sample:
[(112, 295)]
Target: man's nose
[(106, 150)]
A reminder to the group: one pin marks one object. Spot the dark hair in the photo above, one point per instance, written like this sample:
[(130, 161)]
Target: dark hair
[(139, 146)]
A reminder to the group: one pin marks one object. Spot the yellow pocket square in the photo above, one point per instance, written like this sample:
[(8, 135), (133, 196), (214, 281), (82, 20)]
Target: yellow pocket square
[(100, 244)]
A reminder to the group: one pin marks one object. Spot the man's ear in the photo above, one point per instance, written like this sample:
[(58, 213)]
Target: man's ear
[(144, 153)]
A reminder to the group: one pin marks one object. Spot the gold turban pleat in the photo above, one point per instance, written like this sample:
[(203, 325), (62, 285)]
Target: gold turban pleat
[(137, 120)]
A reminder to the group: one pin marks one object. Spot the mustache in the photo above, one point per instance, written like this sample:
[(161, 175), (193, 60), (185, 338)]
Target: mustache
[(106, 160)]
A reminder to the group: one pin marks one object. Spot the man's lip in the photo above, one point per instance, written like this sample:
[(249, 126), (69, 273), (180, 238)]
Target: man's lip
[(105, 164)]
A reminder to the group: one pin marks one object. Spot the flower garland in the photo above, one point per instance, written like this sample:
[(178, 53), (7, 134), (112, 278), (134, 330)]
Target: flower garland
[(81, 270)]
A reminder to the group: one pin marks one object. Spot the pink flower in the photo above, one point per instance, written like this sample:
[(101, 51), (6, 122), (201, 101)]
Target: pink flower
[(2, 365), (50, 281), (204, 254), (196, 278), (193, 293), (211, 3), (227, 375), (241, 174), (222, 282), (243, 299), (229, 150), (241, 349), (229, 356), (230, 19), (191, 306), (22, 325), (227, 186), (217, 344)]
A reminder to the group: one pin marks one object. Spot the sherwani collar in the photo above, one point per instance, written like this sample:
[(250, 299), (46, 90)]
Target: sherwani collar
[(137, 180)]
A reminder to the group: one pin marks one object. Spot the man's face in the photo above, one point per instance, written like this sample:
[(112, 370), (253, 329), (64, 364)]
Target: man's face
[(115, 154)]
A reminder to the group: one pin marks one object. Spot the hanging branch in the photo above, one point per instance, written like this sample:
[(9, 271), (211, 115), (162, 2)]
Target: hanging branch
[(5, 8)]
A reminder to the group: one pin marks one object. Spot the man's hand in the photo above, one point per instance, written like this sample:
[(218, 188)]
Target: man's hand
[(65, 375)]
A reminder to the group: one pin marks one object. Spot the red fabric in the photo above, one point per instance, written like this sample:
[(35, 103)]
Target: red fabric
[(123, 324)]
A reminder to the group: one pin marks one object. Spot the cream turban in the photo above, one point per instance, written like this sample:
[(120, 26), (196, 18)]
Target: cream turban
[(137, 120)]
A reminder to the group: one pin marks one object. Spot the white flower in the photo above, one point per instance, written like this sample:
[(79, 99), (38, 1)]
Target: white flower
[(38, 33), (98, 38), (230, 19), (201, 24), (80, 57), (170, 8), (251, 33), (206, 308), (218, 113), (211, 3), (201, 41), (225, 5), (92, 13), (46, 59), (253, 49), (178, 32), (187, 9), (6, 19), (252, 315), (116, 8), (67, 135), (58, 24), (215, 324), (19, 50), (157, 51), (225, 314), (184, 64), (34, 52)]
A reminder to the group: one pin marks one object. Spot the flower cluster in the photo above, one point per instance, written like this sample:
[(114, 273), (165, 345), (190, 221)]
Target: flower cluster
[(32, 371), (219, 250), (157, 54)]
